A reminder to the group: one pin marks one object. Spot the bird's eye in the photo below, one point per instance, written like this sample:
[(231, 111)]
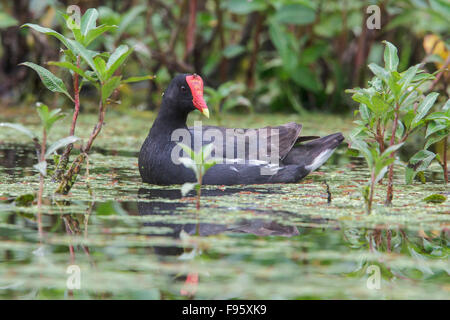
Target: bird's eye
[(183, 88)]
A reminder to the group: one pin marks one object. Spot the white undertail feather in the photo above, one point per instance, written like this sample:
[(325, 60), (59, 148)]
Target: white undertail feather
[(320, 159)]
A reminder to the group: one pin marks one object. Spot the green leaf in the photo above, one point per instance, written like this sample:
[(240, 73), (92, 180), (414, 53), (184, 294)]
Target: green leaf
[(407, 100), (359, 132), (434, 127), (395, 87), (137, 79), (59, 144), (378, 105), (69, 56), (297, 14), (51, 82), (85, 54), (410, 173), (187, 150), (364, 112), (96, 32), (304, 77), (100, 66), (18, 127), (78, 36), (408, 117), (190, 164), (438, 116), (208, 165), (438, 136), (408, 76), (421, 160), (206, 151), (381, 169), (41, 167), (117, 59), (233, 50), (424, 107), (363, 148), (48, 118), (129, 18), (7, 21), (390, 56), (245, 7), (391, 149), (379, 72), (186, 187), (446, 107), (88, 21), (400, 130), (50, 32), (71, 66), (109, 87)]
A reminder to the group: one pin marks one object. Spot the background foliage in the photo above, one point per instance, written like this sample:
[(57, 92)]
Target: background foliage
[(290, 55)]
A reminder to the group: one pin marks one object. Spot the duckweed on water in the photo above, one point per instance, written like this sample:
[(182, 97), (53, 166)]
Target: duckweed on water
[(133, 240)]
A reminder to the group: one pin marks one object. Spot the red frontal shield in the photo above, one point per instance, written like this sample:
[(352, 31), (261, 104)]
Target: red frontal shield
[(195, 83)]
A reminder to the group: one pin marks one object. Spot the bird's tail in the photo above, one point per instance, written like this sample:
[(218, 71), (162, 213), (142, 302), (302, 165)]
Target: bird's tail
[(314, 153)]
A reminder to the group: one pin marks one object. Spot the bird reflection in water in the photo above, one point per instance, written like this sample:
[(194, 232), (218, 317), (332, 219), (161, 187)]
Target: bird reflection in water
[(158, 205)]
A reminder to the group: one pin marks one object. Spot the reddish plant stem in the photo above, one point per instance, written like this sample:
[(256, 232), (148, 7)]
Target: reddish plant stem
[(199, 191), (76, 89), (380, 137), (371, 191), (444, 160), (62, 164), (380, 140), (69, 178), (390, 189), (71, 249), (388, 240), (41, 184)]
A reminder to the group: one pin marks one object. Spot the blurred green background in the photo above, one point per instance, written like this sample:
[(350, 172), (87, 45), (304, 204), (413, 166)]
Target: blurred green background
[(256, 56)]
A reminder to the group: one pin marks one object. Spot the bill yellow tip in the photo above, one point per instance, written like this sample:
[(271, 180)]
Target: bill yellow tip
[(205, 112)]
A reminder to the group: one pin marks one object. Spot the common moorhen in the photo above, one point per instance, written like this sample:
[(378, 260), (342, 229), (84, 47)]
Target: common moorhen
[(238, 148)]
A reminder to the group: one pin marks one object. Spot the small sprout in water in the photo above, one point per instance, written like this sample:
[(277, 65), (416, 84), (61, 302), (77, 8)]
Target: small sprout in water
[(199, 163)]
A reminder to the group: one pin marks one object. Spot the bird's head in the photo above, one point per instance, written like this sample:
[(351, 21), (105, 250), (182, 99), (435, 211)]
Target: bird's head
[(187, 91)]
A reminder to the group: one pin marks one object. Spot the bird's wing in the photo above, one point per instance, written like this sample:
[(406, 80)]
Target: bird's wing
[(279, 139)]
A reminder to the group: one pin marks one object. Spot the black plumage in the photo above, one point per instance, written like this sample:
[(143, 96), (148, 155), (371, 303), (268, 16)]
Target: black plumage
[(296, 159)]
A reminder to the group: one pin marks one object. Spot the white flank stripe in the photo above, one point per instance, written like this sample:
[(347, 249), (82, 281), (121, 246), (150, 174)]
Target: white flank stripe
[(320, 159)]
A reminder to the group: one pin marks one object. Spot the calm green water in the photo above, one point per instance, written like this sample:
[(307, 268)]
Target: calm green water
[(136, 241)]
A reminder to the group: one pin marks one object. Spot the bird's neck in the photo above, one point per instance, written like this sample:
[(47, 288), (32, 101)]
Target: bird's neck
[(169, 118)]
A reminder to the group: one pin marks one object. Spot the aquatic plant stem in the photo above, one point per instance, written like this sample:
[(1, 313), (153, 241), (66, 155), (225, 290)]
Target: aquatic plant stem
[(41, 184), (69, 178), (199, 193), (390, 188), (444, 161), (371, 191), (62, 164), (380, 136)]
